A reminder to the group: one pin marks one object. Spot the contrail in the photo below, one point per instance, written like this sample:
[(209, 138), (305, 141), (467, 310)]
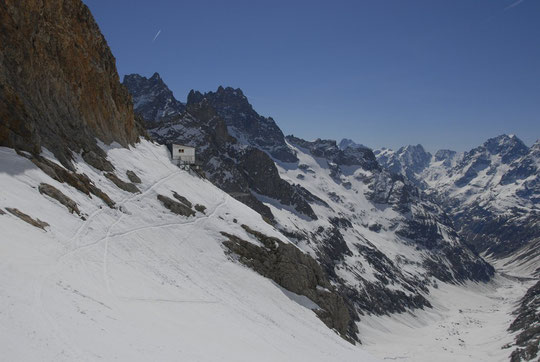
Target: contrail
[(159, 32), (513, 5)]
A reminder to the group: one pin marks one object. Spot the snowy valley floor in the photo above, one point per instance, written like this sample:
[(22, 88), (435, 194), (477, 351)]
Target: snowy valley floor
[(468, 323)]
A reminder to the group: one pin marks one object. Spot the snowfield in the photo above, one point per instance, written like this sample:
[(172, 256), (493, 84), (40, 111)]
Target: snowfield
[(139, 283)]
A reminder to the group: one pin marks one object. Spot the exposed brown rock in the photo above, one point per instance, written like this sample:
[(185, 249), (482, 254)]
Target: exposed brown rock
[(27, 218), (175, 206), (53, 192), (126, 186), (58, 82)]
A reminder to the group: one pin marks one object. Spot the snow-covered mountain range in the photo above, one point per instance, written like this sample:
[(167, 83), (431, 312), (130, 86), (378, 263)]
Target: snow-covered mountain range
[(279, 249), (372, 219), (491, 191)]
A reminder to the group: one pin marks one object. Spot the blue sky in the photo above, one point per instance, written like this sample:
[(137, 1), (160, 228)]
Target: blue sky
[(446, 74)]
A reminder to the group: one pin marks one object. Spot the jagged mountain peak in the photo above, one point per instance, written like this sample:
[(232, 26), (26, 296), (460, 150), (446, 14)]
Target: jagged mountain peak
[(506, 144), (236, 92), (234, 98), (152, 98), (444, 154), (347, 142), (414, 151), (244, 123), (408, 160)]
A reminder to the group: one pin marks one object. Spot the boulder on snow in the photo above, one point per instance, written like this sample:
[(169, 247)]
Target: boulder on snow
[(132, 176), (200, 208), (27, 218), (175, 206), (182, 199), (98, 161), (126, 186), (53, 192)]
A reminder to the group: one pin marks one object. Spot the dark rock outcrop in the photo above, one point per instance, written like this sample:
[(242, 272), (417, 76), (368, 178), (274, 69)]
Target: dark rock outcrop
[(175, 206), (132, 176), (350, 156), (126, 186), (200, 208), (297, 272), (527, 323), (182, 199), (59, 87)]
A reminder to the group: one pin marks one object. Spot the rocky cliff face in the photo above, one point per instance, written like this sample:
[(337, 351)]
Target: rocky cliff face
[(59, 87)]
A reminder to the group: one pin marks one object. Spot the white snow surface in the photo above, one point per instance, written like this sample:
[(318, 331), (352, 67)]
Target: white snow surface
[(138, 283), (467, 323)]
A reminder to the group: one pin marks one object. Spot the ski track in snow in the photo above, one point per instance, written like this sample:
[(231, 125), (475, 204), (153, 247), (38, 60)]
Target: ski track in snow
[(169, 292), (138, 282)]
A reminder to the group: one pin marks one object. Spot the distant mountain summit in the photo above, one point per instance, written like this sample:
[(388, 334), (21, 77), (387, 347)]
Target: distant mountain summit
[(244, 123), (346, 142), (155, 101), (409, 161), (152, 99)]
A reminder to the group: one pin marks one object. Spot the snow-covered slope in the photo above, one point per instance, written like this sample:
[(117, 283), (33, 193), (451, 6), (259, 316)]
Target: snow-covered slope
[(137, 282)]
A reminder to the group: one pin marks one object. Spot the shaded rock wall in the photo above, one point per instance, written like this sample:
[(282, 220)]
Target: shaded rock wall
[(58, 82)]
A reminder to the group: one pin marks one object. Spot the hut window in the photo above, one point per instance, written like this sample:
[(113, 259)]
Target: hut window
[(181, 150)]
